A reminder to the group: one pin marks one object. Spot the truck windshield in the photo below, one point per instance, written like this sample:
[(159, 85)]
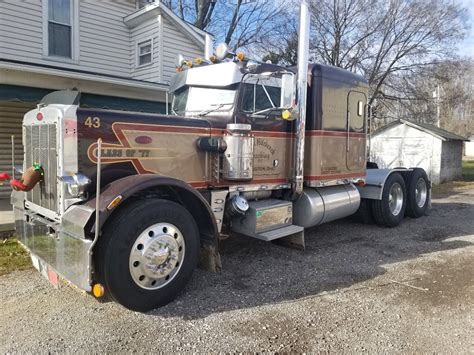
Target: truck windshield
[(198, 100)]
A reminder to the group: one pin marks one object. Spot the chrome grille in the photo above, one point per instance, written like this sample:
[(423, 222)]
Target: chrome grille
[(40, 147)]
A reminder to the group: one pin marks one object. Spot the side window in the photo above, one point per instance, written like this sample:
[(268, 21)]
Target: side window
[(356, 105), (258, 97)]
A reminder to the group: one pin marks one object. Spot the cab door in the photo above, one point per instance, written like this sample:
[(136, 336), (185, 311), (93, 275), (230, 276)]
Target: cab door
[(356, 131)]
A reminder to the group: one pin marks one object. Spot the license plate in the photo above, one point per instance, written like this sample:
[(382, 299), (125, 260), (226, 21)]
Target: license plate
[(45, 270)]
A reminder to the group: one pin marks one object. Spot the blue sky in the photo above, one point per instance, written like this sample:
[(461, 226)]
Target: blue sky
[(466, 48)]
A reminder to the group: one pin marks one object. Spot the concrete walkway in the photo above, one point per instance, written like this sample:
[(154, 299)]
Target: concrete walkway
[(6, 216)]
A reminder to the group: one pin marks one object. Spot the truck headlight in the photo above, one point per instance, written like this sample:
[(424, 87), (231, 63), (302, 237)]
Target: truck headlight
[(76, 184)]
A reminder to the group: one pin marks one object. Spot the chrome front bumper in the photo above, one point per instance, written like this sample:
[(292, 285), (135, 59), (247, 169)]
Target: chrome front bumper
[(64, 246)]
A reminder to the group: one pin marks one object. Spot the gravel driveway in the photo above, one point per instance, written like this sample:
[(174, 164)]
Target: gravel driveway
[(355, 288)]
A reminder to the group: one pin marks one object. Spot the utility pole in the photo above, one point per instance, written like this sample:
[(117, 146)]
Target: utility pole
[(436, 96)]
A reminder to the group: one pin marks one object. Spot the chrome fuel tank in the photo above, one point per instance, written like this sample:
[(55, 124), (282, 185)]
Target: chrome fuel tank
[(325, 204)]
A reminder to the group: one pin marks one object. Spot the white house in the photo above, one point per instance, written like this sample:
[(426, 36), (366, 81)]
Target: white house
[(404, 143), (469, 147), (119, 53)]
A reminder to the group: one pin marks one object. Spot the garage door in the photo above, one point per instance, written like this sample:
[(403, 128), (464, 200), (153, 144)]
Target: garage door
[(11, 117)]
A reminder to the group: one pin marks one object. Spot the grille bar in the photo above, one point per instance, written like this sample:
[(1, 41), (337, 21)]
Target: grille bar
[(40, 147)]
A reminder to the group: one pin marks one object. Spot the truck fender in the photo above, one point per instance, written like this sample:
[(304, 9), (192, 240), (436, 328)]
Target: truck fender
[(375, 180), (150, 185)]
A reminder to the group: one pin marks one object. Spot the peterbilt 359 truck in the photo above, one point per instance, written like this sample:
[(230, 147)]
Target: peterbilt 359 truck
[(127, 204)]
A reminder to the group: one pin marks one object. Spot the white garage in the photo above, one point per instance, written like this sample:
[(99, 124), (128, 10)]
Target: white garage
[(404, 143)]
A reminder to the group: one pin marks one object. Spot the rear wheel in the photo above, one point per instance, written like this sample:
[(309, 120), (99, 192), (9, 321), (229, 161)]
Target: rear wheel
[(389, 211), (418, 193), (147, 253)]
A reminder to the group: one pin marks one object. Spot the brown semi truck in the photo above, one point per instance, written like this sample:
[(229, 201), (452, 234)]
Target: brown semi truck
[(126, 204)]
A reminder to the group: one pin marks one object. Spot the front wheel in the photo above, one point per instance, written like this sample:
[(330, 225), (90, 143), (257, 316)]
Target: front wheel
[(147, 253), (389, 211)]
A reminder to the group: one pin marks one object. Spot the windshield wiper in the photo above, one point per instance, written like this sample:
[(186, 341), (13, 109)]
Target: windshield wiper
[(266, 112), (219, 106)]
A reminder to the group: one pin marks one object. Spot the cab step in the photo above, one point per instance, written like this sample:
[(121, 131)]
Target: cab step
[(279, 233)]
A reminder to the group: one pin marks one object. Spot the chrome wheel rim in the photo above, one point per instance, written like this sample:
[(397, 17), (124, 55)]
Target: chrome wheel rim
[(156, 256), (421, 192), (395, 199)]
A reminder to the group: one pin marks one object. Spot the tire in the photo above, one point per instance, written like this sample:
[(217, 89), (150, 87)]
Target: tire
[(147, 253), (389, 211), (418, 193), (364, 214)]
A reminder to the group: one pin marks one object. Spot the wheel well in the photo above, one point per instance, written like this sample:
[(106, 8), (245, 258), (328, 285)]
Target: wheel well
[(187, 199)]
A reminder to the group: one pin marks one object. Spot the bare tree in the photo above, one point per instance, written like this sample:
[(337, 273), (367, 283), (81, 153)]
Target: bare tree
[(239, 23), (414, 96), (380, 39), (197, 12)]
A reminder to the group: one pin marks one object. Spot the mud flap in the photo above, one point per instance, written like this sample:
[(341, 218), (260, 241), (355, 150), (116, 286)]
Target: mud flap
[(294, 241), (209, 258)]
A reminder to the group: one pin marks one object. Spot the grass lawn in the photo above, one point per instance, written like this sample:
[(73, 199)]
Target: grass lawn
[(13, 256), (468, 170), (467, 181)]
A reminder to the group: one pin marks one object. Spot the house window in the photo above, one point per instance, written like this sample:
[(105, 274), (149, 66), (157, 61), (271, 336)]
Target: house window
[(144, 51), (60, 28)]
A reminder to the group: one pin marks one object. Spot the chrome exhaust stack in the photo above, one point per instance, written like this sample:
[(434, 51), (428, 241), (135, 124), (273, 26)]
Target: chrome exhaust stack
[(302, 87)]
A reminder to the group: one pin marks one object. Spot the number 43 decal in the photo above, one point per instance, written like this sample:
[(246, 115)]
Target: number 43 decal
[(92, 122)]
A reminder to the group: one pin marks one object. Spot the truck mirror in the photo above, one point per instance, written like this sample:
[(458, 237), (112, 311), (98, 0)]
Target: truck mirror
[(288, 90)]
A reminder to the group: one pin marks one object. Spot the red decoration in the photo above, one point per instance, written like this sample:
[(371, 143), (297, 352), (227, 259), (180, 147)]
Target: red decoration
[(18, 186), (4, 176)]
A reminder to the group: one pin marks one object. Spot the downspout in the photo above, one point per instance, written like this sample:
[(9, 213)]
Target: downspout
[(208, 46), (302, 87)]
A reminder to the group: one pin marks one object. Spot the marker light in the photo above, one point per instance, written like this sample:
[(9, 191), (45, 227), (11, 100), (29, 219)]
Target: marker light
[(114, 202), (188, 63), (198, 61), (213, 58), (241, 56), (221, 51), (286, 115), (98, 290)]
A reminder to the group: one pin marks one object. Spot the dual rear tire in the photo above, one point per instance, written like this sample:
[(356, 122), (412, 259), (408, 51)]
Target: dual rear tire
[(406, 195), (389, 211)]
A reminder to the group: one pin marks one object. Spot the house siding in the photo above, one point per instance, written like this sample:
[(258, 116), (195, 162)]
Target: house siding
[(104, 44), (174, 43), (145, 31), (104, 40), (11, 117), (21, 30)]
